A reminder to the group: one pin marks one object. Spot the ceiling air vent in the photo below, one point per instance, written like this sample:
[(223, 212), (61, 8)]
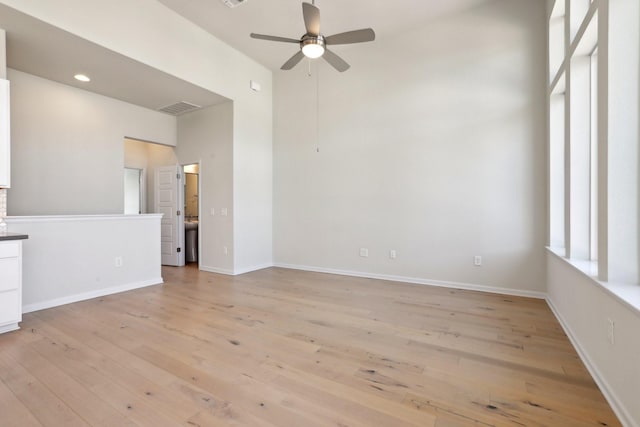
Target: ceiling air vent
[(233, 3), (179, 108)]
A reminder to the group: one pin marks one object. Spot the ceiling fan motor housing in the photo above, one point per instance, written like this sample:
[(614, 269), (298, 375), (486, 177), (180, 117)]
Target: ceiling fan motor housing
[(312, 39)]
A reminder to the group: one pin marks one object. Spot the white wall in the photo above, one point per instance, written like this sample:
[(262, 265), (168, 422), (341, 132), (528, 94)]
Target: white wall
[(60, 264), (584, 309), (206, 137), (3, 54), (253, 181), (135, 157), (435, 150), (135, 154), (148, 156), (67, 150), (172, 44)]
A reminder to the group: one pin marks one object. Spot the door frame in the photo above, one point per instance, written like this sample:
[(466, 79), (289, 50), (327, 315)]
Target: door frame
[(182, 165)]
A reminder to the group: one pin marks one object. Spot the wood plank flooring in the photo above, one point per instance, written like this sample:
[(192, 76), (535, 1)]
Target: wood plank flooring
[(280, 347)]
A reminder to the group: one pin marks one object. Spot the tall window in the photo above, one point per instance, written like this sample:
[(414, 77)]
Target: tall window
[(593, 193), (594, 138)]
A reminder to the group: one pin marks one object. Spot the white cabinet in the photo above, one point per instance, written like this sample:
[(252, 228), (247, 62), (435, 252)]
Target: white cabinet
[(10, 284), (5, 136)]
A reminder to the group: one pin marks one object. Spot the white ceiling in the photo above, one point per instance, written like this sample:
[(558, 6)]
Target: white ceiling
[(40, 49), (389, 19)]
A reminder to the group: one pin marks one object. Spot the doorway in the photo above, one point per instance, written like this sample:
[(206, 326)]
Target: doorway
[(156, 181), (191, 173), (178, 199)]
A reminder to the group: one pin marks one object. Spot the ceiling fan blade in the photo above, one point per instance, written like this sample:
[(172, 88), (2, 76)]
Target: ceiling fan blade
[(293, 61), (311, 16), (273, 38), (335, 61), (356, 36)]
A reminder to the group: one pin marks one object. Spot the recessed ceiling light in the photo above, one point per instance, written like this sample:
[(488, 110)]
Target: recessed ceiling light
[(82, 78)]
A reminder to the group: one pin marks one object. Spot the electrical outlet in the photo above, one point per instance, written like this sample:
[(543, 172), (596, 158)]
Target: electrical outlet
[(393, 254), (225, 250), (118, 261), (611, 329), (213, 211), (223, 212), (477, 260), (364, 252)]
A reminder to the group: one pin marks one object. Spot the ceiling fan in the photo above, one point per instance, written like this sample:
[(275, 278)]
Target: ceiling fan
[(314, 45)]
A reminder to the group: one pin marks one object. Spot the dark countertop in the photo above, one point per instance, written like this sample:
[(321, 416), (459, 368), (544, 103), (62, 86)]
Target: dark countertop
[(13, 236)]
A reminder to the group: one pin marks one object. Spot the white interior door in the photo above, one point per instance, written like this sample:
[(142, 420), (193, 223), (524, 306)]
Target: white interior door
[(169, 202)]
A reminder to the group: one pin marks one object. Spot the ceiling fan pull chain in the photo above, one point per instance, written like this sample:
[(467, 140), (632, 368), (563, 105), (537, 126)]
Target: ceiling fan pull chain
[(317, 108)]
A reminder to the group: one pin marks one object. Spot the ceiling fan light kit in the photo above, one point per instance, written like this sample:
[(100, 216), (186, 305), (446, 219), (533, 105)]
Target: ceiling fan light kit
[(314, 45)]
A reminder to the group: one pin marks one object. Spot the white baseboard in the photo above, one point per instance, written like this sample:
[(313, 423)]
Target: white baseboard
[(235, 272), (418, 281), (9, 328), (620, 410), (252, 268), (216, 270), (89, 295)]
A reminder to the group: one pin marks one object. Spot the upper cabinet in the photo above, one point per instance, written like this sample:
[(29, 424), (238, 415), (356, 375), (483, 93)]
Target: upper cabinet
[(5, 149)]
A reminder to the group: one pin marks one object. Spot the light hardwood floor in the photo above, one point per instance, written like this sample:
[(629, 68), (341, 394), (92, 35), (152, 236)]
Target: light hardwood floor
[(287, 348)]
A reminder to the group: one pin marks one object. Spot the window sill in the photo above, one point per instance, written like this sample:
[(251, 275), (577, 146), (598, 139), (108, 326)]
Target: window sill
[(627, 293)]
